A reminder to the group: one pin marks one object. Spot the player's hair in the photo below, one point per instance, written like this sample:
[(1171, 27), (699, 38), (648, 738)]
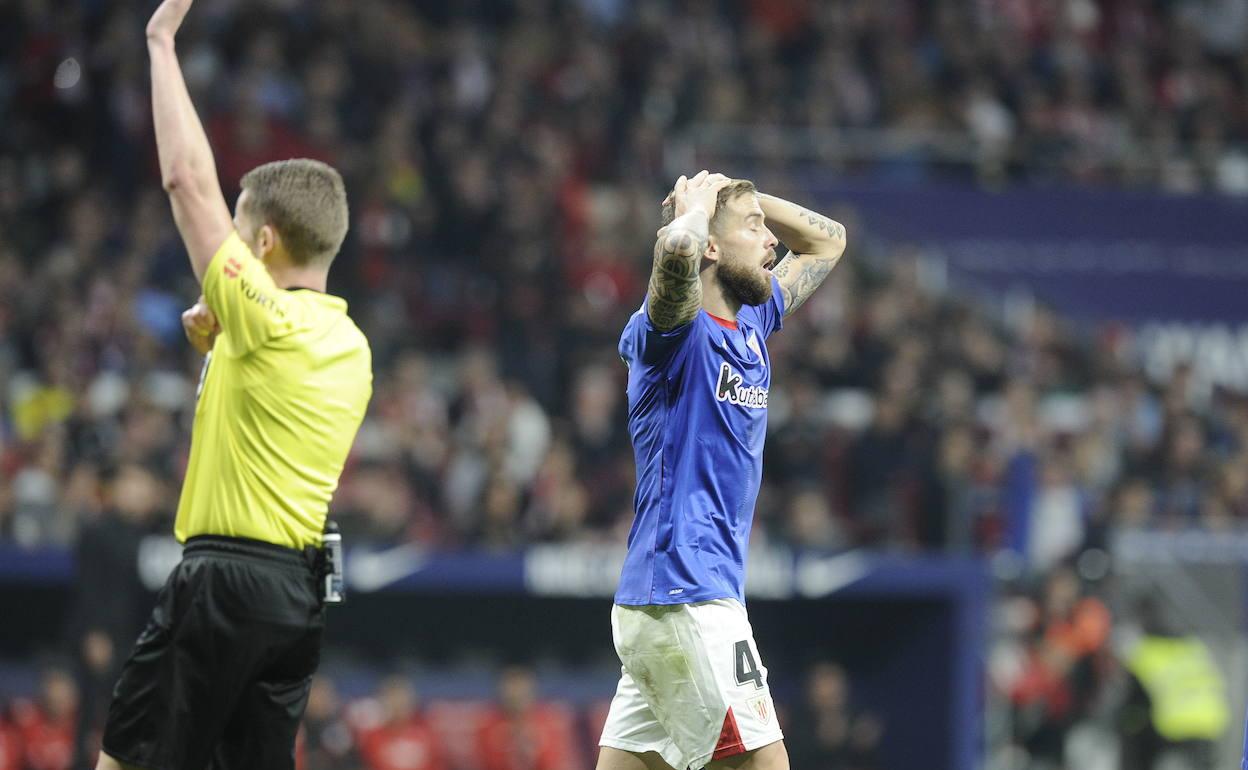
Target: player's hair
[(305, 201), (726, 193)]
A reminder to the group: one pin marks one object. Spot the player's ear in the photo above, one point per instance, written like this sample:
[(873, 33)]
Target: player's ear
[(712, 249)]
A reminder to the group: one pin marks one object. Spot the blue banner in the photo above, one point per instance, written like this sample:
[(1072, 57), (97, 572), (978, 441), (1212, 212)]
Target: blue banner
[(1173, 269), (1093, 254), (567, 571)]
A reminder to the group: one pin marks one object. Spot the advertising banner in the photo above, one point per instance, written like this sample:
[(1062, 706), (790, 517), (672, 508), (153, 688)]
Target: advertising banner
[(1173, 269)]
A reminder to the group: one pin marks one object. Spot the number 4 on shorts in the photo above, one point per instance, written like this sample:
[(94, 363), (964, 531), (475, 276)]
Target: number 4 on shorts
[(747, 667)]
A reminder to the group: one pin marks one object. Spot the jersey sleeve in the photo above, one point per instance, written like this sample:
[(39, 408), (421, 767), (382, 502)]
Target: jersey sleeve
[(646, 344), (249, 306), (771, 312)]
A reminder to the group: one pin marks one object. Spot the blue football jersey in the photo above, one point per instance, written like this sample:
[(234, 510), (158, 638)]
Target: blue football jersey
[(697, 415), (1244, 762)]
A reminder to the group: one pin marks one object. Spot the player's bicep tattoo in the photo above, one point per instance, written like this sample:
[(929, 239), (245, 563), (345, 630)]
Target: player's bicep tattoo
[(799, 275), (675, 291)]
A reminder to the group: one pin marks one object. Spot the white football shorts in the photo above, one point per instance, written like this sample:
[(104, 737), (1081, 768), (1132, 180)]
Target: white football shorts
[(692, 686)]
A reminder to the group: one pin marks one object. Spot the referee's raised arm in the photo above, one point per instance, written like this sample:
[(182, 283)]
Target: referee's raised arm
[(188, 171)]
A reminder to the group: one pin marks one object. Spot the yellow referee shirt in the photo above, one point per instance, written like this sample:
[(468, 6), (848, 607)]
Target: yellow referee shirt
[(282, 395)]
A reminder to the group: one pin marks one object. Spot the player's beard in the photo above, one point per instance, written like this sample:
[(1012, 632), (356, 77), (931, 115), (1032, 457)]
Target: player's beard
[(749, 284)]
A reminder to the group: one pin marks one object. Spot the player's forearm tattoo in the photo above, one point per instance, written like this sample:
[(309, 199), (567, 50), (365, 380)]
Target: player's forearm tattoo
[(675, 291), (799, 276), (829, 227)]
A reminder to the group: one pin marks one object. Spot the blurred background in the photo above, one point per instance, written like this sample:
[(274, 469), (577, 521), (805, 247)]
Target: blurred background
[(1003, 516)]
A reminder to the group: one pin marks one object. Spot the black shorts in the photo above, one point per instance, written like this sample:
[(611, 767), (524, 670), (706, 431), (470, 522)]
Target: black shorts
[(220, 676)]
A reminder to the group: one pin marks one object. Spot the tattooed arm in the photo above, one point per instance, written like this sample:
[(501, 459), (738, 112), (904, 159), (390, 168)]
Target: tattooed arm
[(675, 293), (675, 289), (815, 244)]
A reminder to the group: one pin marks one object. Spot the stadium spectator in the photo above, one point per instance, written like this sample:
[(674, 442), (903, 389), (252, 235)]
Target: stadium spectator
[(523, 733), (326, 741), (1177, 706), (827, 731), (391, 732), (46, 726), (11, 751), (1057, 669), (1076, 634), (112, 601)]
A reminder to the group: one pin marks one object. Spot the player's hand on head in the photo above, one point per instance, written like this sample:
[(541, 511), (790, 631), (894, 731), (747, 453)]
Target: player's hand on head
[(700, 191), (167, 19), (200, 325)]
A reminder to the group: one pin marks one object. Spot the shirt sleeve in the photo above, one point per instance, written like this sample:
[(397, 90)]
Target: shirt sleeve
[(249, 306), (1244, 762), (645, 343), (771, 312)]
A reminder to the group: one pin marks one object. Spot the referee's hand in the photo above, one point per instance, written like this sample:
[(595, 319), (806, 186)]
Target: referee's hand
[(201, 326)]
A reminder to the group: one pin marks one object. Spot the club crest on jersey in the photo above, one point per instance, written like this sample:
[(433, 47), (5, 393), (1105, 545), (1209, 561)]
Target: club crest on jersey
[(730, 388), (760, 708)]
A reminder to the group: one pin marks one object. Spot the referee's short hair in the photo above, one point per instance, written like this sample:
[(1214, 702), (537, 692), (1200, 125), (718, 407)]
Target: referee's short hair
[(305, 201)]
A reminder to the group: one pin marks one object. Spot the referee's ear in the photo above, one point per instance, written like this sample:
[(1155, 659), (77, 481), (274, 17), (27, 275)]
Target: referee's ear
[(262, 239), (268, 242)]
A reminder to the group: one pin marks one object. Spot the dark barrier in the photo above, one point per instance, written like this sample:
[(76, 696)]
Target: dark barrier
[(911, 632)]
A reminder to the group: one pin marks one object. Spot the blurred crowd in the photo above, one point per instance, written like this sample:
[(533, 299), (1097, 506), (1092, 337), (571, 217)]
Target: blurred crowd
[(505, 162), (390, 726), (1089, 675)]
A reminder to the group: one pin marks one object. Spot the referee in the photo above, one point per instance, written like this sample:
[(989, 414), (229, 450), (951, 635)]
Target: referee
[(220, 676)]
